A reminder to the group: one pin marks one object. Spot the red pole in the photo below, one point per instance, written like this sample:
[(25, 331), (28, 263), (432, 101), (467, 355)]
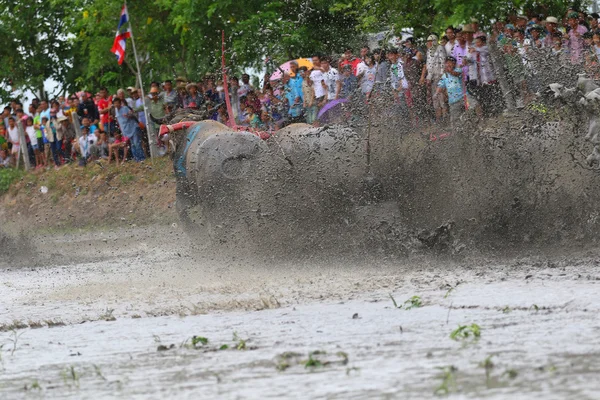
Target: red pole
[(225, 85)]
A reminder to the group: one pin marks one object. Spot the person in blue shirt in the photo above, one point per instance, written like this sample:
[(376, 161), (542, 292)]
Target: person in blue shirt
[(130, 128), (451, 83), (293, 92)]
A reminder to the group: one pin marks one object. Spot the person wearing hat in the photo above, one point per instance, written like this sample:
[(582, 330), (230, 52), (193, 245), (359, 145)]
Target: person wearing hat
[(521, 22), (451, 84), (168, 95), (193, 99), (551, 24), (432, 73), (576, 43)]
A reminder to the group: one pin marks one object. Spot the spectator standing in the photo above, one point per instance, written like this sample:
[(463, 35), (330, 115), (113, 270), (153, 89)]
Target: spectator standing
[(349, 59), (318, 83), (576, 32), (130, 128), (331, 77), (366, 78), (431, 75), (293, 91), (349, 82), (87, 109), (551, 28), (383, 67), (168, 95), (308, 96), (451, 83), (193, 99), (451, 34), (104, 109), (13, 137)]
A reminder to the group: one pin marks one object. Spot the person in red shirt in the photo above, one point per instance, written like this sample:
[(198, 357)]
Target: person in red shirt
[(107, 122), (349, 59)]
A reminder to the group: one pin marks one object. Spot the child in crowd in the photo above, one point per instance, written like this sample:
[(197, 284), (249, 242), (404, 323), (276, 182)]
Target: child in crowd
[(13, 138), (308, 95), (5, 159), (33, 144), (119, 146)]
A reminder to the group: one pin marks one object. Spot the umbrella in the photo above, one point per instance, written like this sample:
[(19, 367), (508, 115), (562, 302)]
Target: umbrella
[(331, 111), (302, 62)]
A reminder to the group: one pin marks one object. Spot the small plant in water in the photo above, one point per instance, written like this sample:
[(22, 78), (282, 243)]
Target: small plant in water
[(199, 339), (413, 302), (511, 373), (313, 362), (488, 365), (394, 301), (70, 376), (506, 310), (240, 343), (464, 332), (534, 307), (448, 380)]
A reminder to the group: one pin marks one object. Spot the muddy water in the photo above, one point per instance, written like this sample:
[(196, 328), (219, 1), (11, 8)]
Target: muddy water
[(538, 319)]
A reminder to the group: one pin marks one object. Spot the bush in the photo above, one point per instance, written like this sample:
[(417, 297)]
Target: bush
[(8, 176)]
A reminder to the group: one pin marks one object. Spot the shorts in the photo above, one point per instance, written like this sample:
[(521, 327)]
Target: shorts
[(34, 146), (439, 99), (456, 110), (40, 143), (15, 149), (82, 161)]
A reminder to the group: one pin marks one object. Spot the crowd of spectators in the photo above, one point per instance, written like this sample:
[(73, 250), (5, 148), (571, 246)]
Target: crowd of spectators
[(453, 73)]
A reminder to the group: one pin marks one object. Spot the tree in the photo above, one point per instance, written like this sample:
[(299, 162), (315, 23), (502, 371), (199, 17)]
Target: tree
[(34, 46)]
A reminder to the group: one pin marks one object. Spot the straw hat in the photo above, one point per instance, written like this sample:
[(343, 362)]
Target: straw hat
[(469, 28), (190, 85), (551, 20)]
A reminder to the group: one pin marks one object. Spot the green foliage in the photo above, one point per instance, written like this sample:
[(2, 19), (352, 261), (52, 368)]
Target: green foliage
[(8, 176), (413, 302), (448, 381), (199, 340), (464, 332)]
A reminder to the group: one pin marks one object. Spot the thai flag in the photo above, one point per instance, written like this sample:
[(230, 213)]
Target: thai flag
[(121, 36)]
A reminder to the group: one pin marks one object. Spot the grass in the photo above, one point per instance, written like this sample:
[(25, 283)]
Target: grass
[(240, 344), (70, 376), (448, 384), (464, 332), (8, 176), (108, 315), (488, 365), (15, 339), (126, 178), (199, 340), (413, 302)]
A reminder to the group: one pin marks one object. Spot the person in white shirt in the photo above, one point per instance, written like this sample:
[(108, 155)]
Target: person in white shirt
[(316, 76), (432, 73), (13, 135), (451, 34), (331, 78)]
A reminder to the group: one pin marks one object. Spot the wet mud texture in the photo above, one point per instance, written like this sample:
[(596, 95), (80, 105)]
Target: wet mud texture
[(371, 186)]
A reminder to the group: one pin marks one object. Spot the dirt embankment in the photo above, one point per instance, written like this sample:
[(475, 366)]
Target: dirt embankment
[(99, 195)]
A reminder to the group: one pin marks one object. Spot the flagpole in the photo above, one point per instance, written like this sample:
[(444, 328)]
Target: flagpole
[(151, 136)]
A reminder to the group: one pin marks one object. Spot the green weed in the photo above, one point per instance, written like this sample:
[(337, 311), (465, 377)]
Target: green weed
[(506, 310), (488, 365), (464, 332), (224, 347), (240, 343), (199, 339), (70, 376), (413, 302), (511, 373), (126, 177), (8, 176), (448, 380)]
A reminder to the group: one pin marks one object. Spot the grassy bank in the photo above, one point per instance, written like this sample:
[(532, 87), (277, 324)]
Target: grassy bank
[(97, 196)]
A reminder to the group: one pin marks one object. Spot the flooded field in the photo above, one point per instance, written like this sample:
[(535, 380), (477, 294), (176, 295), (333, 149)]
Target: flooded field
[(133, 319)]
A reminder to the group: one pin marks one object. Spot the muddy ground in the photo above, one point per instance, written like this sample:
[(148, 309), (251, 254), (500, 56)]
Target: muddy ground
[(112, 313)]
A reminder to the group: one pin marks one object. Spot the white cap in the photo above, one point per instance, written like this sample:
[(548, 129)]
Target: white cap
[(432, 37)]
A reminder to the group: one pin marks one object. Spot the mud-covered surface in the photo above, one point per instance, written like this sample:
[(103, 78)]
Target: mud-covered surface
[(92, 327)]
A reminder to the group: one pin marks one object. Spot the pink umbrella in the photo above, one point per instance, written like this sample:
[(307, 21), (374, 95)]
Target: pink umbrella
[(302, 62)]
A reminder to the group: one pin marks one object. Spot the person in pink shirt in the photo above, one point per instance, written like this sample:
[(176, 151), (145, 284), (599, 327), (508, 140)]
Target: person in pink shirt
[(576, 32)]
